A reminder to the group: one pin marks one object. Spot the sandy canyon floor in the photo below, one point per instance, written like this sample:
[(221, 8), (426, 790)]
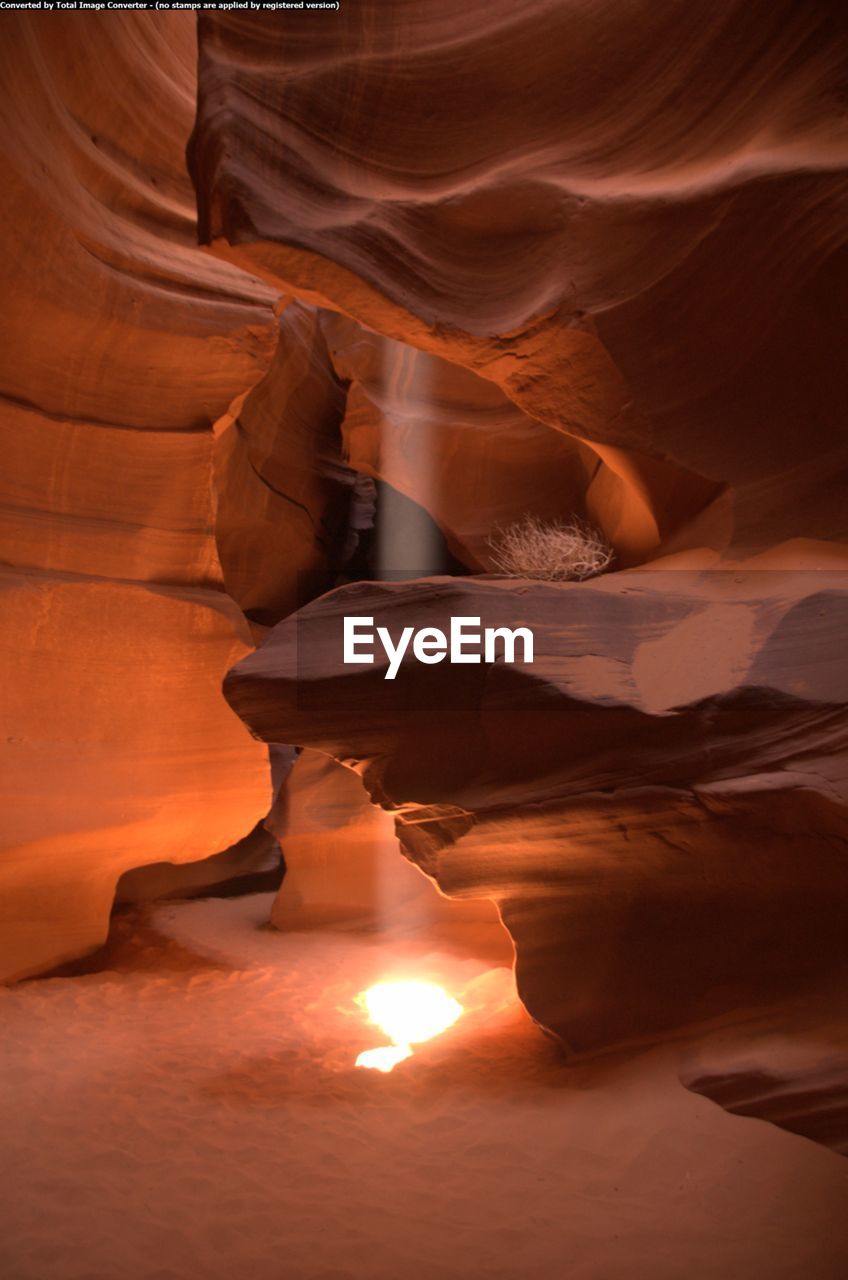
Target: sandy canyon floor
[(191, 1112)]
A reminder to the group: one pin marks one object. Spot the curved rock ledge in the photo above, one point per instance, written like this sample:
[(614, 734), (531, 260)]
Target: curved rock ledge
[(638, 234), (657, 804), (122, 343)]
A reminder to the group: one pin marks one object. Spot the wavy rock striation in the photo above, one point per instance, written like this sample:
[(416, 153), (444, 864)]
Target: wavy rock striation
[(122, 343), (284, 494), (608, 284), (657, 804), (638, 234), (633, 242)]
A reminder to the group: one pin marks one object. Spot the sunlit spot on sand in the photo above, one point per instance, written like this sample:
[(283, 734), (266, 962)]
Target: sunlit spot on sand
[(385, 1057), (408, 1013)]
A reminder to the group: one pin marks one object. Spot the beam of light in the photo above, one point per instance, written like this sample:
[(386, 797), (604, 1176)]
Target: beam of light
[(408, 1013), (409, 545), (408, 540)]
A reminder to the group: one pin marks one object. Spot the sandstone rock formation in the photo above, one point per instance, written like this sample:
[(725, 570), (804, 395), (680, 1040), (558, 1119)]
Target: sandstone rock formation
[(657, 805), (283, 496), (637, 237), (344, 868), (672, 736), (121, 344), (251, 865), (636, 233), (787, 1066), (428, 427), (462, 265)]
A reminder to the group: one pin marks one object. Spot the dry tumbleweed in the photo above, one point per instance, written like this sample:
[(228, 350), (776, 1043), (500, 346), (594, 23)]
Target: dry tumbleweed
[(551, 550)]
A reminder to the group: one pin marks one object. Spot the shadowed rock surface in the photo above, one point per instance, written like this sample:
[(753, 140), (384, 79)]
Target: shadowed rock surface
[(637, 239), (638, 234), (251, 865), (436, 298), (657, 804)]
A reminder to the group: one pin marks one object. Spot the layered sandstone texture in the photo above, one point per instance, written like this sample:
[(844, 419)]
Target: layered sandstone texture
[(462, 266), (583, 260), (656, 805), (628, 218), (121, 344), (345, 872)]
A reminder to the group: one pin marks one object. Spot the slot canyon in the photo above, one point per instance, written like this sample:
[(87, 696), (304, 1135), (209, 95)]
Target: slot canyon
[(304, 313)]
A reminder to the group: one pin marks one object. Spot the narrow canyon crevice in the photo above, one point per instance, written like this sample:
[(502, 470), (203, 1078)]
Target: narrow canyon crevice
[(636, 327), (256, 385)]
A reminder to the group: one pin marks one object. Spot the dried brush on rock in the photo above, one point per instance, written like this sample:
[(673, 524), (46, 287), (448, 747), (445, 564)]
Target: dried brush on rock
[(552, 551)]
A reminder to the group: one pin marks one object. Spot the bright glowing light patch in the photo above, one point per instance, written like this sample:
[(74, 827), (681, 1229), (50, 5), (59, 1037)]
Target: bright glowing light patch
[(411, 1012), (408, 1013), (384, 1058)]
